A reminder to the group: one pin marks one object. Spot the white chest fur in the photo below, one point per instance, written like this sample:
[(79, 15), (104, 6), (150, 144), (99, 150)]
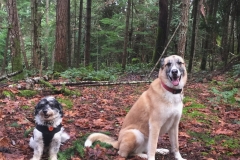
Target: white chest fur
[(171, 113)]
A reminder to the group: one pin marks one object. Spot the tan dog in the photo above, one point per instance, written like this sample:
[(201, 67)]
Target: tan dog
[(157, 111)]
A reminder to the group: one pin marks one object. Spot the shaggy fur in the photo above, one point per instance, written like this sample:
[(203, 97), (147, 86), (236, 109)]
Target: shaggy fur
[(48, 133)]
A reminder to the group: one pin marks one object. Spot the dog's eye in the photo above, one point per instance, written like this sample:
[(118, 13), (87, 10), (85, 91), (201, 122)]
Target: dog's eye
[(179, 63), (168, 64)]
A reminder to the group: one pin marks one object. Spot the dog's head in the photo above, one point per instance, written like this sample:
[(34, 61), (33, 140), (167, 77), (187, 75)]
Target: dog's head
[(173, 71), (48, 110)]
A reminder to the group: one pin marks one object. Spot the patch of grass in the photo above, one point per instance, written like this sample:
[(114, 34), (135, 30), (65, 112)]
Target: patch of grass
[(8, 94), (26, 133), (66, 103), (232, 143), (15, 124), (25, 107), (27, 93), (77, 147)]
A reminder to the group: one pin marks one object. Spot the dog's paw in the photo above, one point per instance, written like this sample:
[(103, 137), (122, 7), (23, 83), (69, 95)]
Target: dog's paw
[(162, 151), (142, 155), (178, 156)]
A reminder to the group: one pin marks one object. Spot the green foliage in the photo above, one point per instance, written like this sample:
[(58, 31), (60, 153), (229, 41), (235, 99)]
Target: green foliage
[(209, 140), (27, 132), (15, 124), (88, 74), (139, 68), (66, 103), (77, 147), (25, 107), (236, 69), (224, 96), (27, 93), (8, 94)]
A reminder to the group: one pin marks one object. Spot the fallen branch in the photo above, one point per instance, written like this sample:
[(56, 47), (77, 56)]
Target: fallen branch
[(96, 83), (63, 90), (10, 75)]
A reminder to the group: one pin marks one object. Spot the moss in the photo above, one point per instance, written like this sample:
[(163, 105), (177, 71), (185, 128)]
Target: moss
[(66, 103), (8, 94), (27, 93), (15, 124), (25, 107)]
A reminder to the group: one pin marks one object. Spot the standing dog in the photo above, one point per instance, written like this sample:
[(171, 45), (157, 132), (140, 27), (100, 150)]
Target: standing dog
[(157, 111), (49, 132)]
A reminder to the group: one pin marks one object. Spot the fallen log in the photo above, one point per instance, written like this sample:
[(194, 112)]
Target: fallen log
[(10, 75)]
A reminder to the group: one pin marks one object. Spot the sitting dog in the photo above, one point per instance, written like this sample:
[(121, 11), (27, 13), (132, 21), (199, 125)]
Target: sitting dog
[(157, 111), (49, 132)]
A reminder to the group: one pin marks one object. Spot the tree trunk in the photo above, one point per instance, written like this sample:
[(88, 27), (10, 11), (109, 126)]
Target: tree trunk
[(23, 47), (224, 42), (61, 36), (46, 52), (124, 55), (36, 43), (69, 42), (183, 28), (88, 31), (194, 34), (14, 38), (162, 29), (5, 53), (78, 47)]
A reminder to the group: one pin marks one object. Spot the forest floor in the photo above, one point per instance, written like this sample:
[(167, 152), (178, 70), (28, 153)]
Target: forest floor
[(209, 128)]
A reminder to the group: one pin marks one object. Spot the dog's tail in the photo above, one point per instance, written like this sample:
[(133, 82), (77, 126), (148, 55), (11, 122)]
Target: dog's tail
[(101, 137)]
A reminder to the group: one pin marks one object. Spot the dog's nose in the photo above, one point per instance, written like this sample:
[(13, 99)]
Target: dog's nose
[(45, 111), (174, 71)]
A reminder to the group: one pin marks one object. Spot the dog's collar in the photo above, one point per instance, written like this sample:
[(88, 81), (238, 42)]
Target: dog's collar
[(173, 91)]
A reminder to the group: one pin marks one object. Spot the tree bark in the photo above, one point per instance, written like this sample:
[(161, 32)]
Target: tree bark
[(60, 63), (14, 38), (69, 42), (193, 40), (124, 55), (161, 30), (183, 28), (5, 53), (36, 44), (78, 47), (88, 31)]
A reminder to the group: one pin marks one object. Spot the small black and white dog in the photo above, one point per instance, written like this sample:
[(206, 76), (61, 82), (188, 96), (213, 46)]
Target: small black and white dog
[(49, 132)]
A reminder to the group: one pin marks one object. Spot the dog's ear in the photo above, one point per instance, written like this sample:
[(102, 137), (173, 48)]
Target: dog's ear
[(37, 109), (59, 106), (162, 63)]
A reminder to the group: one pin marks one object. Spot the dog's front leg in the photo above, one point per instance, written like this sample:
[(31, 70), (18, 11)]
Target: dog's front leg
[(173, 136), (154, 130), (54, 146), (38, 150)]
